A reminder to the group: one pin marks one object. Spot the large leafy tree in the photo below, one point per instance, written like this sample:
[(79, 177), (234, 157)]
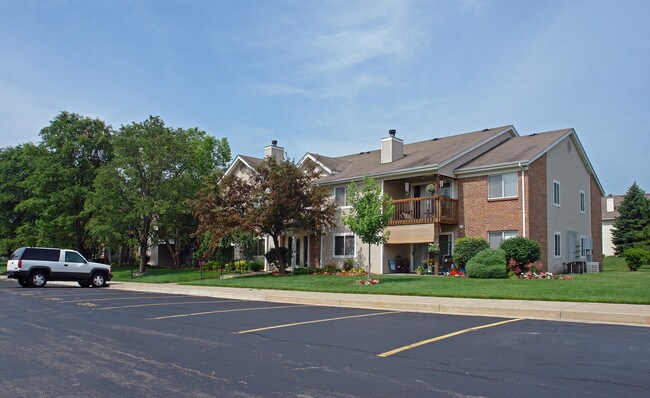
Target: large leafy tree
[(273, 198), (369, 214), (631, 226), (63, 171), (17, 223), (155, 170)]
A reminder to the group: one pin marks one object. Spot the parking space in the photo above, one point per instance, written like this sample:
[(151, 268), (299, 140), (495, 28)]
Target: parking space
[(220, 346)]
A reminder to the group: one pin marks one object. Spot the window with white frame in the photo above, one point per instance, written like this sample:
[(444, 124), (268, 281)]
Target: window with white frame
[(583, 246), (502, 186), (556, 193), (557, 249), (343, 245), (582, 201), (340, 196), (495, 238)]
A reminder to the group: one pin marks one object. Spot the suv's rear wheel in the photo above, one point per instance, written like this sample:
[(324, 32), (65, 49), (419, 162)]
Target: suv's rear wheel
[(23, 282), (38, 279), (98, 279)]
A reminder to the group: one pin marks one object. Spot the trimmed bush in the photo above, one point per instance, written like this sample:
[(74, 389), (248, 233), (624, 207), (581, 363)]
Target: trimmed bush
[(635, 257), (488, 264), (522, 250), (256, 265), (466, 248), (330, 268), (274, 255)]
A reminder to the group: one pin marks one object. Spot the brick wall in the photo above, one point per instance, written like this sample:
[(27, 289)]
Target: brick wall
[(479, 215), (537, 206), (596, 220)]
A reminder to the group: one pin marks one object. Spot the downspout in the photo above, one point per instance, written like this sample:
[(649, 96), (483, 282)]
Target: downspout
[(523, 201)]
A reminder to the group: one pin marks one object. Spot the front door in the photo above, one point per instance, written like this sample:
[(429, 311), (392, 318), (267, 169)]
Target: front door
[(445, 242)]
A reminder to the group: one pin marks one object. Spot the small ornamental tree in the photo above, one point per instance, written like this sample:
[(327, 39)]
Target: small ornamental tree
[(272, 198), (467, 247), (369, 214), (633, 218)]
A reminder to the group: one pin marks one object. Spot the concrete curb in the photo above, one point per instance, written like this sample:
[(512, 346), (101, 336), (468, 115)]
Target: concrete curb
[(624, 314)]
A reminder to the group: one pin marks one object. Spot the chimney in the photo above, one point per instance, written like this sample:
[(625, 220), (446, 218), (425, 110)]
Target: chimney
[(392, 148), (274, 151)]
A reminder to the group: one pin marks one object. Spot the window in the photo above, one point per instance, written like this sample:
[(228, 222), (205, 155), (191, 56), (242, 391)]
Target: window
[(583, 246), (502, 186), (582, 201), (557, 250), (344, 246), (610, 205), (258, 247), (495, 238), (73, 257), (556, 193), (340, 196)]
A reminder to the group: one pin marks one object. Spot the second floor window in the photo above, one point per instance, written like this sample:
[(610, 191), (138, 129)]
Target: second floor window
[(582, 201), (556, 193), (340, 196), (502, 186)]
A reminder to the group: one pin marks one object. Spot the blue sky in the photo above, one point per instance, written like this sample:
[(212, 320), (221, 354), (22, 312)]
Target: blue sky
[(334, 76)]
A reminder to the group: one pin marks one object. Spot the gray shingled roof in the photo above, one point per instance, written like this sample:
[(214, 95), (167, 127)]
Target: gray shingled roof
[(419, 154), (516, 149), (252, 161), (334, 164)]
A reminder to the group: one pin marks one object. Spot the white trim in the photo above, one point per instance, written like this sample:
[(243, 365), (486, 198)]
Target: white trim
[(559, 194), (582, 197), (318, 162), (557, 244)]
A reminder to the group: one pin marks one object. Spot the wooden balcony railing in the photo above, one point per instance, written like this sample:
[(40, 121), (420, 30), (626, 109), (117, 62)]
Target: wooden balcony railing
[(428, 209)]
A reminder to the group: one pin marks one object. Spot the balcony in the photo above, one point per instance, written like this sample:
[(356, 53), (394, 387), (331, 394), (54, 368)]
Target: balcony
[(425, 210)]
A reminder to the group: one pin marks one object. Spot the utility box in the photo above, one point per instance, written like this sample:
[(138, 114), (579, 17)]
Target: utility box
[(593, 267)]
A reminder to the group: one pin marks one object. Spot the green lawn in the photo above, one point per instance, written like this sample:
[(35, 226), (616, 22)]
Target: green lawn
[(614, 285)]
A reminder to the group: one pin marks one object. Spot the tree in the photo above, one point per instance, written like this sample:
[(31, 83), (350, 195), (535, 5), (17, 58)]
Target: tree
[(154, 172), (633, 219), (369, 214), (272, 198), (17, 221), (72, 151)]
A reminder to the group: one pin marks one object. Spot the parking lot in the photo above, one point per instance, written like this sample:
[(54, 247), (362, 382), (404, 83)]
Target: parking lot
[(70, 341)]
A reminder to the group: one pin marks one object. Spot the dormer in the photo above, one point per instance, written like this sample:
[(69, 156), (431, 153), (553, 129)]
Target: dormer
[(392, 148)]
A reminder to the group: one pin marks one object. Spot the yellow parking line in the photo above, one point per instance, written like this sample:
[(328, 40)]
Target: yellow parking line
[(446, 336), (316, 321), (118, 298), (157, 304), (221, 311)]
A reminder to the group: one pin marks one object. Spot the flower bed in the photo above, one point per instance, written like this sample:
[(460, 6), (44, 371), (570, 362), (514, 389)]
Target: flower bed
[(366, 282)]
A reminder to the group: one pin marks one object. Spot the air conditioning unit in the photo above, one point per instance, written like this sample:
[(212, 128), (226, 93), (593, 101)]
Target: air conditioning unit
[(593, 267)]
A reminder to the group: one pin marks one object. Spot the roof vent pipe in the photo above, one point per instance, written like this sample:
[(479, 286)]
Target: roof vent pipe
[(392, 132), (274, 142)]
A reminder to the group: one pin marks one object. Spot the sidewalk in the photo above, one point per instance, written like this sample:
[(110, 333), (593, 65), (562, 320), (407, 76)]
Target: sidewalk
[(626, 314)]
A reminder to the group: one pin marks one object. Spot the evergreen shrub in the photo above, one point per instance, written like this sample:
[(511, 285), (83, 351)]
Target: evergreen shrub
[(488, 264), (467, 247)]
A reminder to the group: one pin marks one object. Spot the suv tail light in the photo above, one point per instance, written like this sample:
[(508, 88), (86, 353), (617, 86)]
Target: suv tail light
[(20, 263)]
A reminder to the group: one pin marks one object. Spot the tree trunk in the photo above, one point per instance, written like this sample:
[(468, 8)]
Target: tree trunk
[(368, 261), (276, 243), (143, 255)]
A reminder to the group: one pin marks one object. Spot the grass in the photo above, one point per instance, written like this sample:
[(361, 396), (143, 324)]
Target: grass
[(614, 285)]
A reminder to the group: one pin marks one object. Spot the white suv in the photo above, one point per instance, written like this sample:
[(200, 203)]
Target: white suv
[(34, 266)]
